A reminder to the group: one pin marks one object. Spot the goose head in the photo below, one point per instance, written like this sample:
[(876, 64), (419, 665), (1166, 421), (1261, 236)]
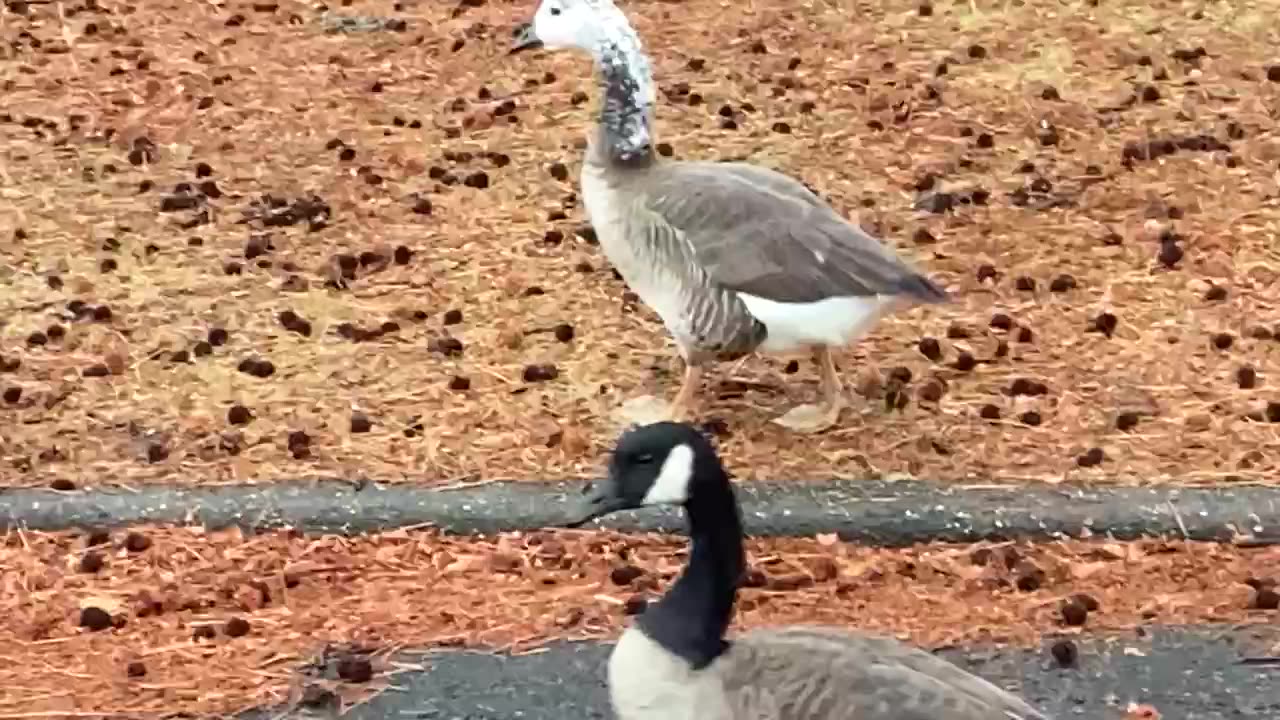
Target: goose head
[(664, 463), (568, 25)]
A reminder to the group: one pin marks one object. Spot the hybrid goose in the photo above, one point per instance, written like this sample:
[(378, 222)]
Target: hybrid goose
[(735, 258), (674, 662)]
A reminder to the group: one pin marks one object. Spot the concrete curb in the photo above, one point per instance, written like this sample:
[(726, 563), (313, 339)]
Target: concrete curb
[(891, 514)]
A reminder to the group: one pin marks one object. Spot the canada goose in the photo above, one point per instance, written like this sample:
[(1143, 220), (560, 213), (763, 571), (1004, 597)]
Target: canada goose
[(675, 662), (734, 257)]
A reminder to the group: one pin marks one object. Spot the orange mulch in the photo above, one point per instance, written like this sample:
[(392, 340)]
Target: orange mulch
[(402, 194), (214, 622)]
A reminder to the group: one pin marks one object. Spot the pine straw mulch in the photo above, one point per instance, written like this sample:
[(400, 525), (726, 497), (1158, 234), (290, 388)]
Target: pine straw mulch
[(214, 622), (1155, 360)]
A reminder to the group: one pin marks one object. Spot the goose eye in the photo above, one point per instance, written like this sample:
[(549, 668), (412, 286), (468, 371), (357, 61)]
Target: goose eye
[(555, 11), (644, 459)]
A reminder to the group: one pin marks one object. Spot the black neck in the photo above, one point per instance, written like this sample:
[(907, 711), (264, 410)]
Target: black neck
[(626, 128), (691, 619)]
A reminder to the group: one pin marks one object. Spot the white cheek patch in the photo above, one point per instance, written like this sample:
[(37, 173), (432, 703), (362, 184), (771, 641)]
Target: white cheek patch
[(672, 485)]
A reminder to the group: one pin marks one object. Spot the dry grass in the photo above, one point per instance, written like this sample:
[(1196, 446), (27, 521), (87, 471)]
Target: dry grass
[(298, 599), (179, 83)]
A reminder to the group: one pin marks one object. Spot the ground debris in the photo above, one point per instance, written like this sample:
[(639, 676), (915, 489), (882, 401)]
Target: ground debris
[(280, 618), (182, 167)]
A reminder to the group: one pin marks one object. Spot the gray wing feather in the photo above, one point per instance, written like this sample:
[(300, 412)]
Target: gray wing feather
[(821, 674), (762, 232), (771, 180), (713, 319)]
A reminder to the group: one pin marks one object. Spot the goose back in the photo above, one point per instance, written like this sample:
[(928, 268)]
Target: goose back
[(879, 678)]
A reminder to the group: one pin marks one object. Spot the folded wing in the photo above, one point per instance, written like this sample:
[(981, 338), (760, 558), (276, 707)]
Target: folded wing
[(763, 233)]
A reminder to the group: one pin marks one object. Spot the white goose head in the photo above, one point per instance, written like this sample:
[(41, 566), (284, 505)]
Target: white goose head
[(599, 28), (572, 24)]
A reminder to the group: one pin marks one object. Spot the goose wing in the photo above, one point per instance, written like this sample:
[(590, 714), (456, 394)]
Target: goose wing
[(760, 232), (820, 674)]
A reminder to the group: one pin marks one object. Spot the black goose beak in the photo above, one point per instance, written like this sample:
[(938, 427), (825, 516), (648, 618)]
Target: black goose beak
[(524, 39), (598, 500)]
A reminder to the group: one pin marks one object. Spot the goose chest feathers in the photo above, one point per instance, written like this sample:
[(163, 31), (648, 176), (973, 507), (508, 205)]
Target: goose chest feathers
[(735, 258), (675, 663)]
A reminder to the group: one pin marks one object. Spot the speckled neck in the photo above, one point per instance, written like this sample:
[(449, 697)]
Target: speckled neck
[(625, 133)]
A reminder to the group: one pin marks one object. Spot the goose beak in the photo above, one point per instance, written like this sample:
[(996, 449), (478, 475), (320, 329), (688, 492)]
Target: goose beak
[(598, 500), (524, 39)]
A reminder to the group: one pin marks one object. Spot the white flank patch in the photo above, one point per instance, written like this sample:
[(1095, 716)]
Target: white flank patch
[(834, 321), (672, 485)]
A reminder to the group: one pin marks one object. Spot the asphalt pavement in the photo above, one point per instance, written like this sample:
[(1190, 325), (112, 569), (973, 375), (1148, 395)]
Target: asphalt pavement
[(1202, 673), (884, 513), (1192, 674)]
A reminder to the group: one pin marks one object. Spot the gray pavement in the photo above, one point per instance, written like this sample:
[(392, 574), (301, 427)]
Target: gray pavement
[(874, 512), (1187, 674)]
